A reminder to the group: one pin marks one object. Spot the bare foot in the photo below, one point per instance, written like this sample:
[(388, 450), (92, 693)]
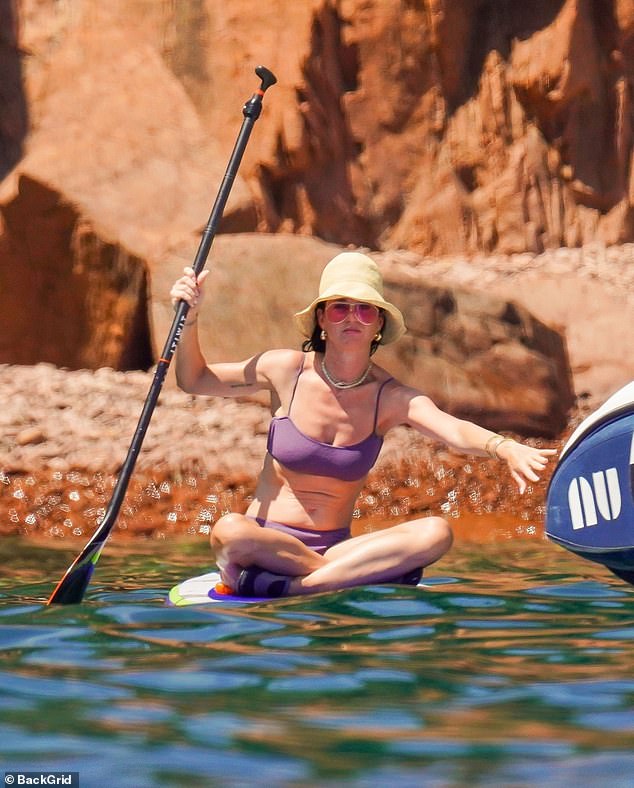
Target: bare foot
[(229, 573)]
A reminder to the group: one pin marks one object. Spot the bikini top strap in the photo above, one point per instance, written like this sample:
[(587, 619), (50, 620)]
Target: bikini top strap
[(299, 372), (378, 398)]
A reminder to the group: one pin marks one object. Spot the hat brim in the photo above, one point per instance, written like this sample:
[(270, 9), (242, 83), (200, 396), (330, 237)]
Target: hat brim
[(394, 323)]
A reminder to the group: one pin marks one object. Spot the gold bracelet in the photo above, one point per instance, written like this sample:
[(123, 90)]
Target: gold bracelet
[(493, 444), (494, 450), (487, 447)]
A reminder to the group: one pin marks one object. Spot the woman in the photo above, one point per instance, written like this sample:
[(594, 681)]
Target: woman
[(331, 407)]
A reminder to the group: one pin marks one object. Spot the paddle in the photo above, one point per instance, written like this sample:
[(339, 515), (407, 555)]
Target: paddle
[(72, 587)]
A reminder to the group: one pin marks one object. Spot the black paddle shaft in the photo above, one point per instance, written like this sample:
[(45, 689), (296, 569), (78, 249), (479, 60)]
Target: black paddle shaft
[(73, 584), (251, 112)]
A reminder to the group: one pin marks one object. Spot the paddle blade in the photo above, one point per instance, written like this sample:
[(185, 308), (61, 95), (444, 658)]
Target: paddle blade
[(71, 588)]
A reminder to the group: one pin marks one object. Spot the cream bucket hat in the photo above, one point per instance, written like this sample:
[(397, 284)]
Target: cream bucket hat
[(356, 276)]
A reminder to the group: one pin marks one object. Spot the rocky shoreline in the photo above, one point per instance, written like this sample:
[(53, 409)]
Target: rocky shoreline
[(82, 419), (64, 435)]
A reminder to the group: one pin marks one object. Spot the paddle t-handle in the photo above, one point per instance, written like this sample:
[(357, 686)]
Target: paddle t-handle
[(268, 78), (72, 587)]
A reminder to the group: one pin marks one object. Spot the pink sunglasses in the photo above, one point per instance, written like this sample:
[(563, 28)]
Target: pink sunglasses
[(338, 311)]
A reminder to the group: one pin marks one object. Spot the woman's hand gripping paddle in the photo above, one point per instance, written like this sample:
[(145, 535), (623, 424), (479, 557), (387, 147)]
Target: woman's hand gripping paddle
[(72, 587)]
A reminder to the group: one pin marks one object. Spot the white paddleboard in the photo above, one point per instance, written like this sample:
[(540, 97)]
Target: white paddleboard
[(203, 590)]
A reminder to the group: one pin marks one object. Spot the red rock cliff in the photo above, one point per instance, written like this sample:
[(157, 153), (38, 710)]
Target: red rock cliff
[(432, 126)]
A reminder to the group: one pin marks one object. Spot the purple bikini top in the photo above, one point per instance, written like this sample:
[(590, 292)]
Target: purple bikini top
[(301, 453)]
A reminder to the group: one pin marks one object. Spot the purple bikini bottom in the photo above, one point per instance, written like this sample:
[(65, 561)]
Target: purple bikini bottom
[(319, 541)]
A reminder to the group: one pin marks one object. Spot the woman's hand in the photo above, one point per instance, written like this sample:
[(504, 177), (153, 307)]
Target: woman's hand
[(525, 462), (189, 289)]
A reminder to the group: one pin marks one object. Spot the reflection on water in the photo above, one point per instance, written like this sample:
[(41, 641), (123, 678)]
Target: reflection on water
[(513, 667)]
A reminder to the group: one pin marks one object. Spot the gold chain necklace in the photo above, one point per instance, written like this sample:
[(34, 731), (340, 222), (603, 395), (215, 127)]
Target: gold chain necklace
[(338, 384)]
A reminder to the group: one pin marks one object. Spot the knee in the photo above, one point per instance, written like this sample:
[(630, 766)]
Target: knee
[(441, 533), (432, 536), (230, 528)]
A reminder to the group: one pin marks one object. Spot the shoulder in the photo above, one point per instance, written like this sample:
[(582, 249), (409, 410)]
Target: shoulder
[(391, 388), (397, 400), (276, 365), (396, 393)]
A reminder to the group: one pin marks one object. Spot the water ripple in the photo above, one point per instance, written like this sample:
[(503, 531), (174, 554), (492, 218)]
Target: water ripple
[(511, 667)]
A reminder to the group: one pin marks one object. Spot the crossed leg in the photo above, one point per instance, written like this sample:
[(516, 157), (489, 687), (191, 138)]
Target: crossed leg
[(378, 556), (239, 542)]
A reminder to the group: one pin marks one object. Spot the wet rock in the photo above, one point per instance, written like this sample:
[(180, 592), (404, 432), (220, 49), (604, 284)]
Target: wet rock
[(87, 421), (31, 435)]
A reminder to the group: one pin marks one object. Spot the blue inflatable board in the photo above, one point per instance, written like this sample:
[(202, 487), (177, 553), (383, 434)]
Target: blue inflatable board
[(590, 500)]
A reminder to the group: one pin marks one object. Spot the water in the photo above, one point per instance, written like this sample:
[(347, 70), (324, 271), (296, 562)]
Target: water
[(512, 668)]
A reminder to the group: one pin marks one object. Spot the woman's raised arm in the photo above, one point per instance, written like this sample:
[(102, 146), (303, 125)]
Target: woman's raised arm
[(419, 412)]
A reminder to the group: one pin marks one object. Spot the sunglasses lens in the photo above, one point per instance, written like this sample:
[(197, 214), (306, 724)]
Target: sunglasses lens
[(367, 313), (337, 311)]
